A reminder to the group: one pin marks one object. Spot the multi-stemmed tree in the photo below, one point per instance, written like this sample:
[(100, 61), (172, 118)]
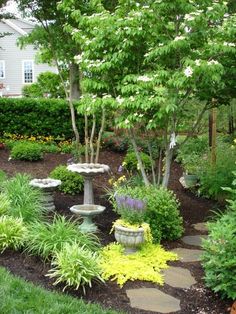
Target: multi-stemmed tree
[(156, 58)]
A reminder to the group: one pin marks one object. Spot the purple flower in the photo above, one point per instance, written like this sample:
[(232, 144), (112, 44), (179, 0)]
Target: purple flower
[(120, 169)]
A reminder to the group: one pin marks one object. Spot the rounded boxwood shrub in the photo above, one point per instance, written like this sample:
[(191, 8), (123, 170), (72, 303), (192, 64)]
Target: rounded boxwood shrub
[(162, 210), (130, 162), (72, 182), (219, 258), (27, 151)]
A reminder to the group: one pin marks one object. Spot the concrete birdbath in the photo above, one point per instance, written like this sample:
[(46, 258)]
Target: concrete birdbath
[(48, 186), (88, 210)]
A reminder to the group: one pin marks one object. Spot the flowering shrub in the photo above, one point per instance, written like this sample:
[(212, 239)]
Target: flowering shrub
[(143, 265)]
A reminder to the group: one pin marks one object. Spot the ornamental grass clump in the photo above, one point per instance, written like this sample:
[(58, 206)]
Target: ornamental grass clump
[(75, 267), (4, 204), (46, 239), (12, 233), (25, 200), (142, 265)]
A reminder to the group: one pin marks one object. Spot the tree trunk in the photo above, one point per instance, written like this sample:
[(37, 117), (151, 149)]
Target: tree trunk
[(140, 163), (169, 155), (100, 134)]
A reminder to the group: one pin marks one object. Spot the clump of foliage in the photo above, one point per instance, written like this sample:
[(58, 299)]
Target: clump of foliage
[(130, 209), (5, 204), (25, 200), (3, 177), (27, 151), (45, 239), (48, 85), (130, 162), (72, 182), (219, 259), (214, 177), (75, 267), (12, 232), (162, 211), (143, 265)]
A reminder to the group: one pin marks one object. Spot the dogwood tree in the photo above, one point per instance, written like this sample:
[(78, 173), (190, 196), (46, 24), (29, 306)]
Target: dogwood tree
[(156, 58)]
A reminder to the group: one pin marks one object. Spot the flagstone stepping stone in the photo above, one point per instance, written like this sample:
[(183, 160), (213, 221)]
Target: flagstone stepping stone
[(188, 255), (151, 299), (194, 240), (178, 277), (201, 226)]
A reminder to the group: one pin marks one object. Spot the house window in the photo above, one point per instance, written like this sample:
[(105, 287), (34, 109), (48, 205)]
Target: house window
[(2, 69), (28, 71)]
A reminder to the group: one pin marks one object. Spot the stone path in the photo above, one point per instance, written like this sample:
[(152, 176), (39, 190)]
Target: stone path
[(154, 300)]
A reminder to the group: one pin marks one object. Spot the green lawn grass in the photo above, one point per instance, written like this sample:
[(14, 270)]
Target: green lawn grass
[(18, 296)]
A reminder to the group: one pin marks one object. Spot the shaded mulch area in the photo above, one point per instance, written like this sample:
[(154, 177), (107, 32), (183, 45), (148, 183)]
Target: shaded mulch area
[(198, 299)]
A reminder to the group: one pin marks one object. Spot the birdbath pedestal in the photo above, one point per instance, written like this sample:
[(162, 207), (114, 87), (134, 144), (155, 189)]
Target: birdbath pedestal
[(48, 186), (88, 210)]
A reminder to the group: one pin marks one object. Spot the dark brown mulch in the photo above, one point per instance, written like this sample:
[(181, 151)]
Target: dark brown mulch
[(198, 299)]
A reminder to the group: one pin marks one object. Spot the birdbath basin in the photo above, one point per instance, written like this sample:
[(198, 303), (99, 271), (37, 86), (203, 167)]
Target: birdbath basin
[(88, 171), (87, 212), (48, 186)]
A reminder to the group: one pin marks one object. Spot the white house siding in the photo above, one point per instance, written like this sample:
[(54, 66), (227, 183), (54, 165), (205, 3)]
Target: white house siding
[(13, 57)]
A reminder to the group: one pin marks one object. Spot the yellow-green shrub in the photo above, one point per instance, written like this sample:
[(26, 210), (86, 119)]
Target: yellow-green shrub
[(143, 265)]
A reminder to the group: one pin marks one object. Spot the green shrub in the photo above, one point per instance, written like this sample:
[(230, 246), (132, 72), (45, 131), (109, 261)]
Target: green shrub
[(194, 145), (45, 117), (44, 239), (162, 211), (219, 258), (47, 83), (50, 148), (12, 233), (131, 164), (212, 179), (27, 151), (72, 183), (76, 267), (114, 142), (25, 200)]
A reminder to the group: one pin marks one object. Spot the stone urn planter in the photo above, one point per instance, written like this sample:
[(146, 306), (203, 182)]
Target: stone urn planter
[(190, 180), (130, 238), (48, 186)]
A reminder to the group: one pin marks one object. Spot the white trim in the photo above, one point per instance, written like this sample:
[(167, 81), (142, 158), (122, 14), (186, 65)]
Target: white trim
[(4, 69), (15, 27), (23, 71)]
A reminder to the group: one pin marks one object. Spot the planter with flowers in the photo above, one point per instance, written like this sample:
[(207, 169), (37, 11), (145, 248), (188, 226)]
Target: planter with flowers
[(130, 230)]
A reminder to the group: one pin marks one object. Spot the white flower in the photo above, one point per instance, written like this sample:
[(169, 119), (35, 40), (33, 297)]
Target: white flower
[(106, 96), (119, 100), (188, 72), (88, 109), (146, 7), (135, 114), (160, 44), (229, 44), (179, 38), (78, 58), (132, 98), (144, 78), (126, 121), (140, 115), (197, 62), (188, 17), (187, 29), (212, 62)]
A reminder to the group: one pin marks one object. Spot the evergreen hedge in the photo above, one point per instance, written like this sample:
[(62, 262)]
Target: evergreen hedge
[(27, 116)]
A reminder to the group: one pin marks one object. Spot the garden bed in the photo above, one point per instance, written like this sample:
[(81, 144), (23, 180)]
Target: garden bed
[(197, 299)]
